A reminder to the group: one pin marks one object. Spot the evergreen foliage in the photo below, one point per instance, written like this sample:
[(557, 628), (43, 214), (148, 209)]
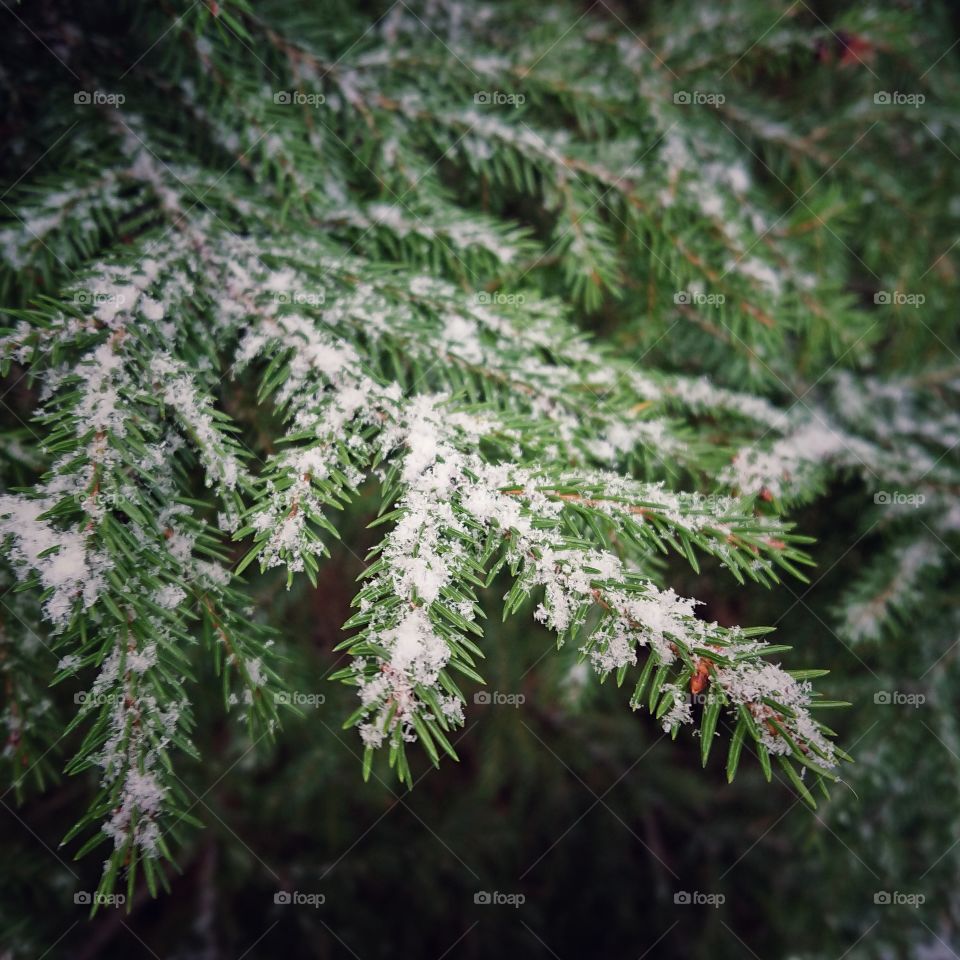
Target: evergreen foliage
[(551, 297)]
